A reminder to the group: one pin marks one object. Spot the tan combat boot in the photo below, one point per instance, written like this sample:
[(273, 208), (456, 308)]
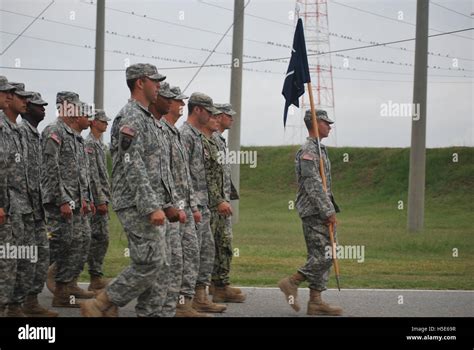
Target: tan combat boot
[(226, 294), (78, 292), (316, 306), (32, 308), (50, 281), (62, 298), (14, 310), (289, 287), (101, 306), (202, 304), (186, 309), (98, 283), (234, 289)]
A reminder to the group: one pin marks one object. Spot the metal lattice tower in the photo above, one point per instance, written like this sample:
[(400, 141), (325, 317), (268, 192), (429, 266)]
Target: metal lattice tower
[(314, 14)]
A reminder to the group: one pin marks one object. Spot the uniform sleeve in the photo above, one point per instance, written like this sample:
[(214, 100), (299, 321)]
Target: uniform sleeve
[(131, 148), (52, 186), (212, 176), (313, 184), (94, 180), (3, 171)]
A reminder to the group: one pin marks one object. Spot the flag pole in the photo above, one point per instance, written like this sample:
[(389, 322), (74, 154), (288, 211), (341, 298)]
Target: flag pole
[(323, 178)]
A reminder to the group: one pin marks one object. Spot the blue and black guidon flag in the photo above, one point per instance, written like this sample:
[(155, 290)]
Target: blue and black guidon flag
[(298, 71)]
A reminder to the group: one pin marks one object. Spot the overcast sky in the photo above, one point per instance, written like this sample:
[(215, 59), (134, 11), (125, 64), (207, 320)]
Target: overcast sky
[(174, 35)]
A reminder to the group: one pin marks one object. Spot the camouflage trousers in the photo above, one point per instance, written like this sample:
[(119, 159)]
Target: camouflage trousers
[(24, 233), (7, 265), (184, 263), (222, 230), (99, 243), (206, 248), (190, 244), (318, 264), (69, 242), (175, 276), (41, 266), (146, 277)]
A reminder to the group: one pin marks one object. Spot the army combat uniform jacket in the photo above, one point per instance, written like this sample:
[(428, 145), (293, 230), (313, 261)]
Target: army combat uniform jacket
[(311, 198)]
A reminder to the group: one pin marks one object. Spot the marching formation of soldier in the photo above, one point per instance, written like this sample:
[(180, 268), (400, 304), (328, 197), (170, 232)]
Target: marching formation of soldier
[(169, 190)]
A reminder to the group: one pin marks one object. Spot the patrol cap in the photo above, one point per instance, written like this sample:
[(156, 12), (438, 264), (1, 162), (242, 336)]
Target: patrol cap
[(20, 90), (67, 96), (4, 85), (321, 114), (36, 99), (179, 95), (140, 70), (165, 91), (100, 115), (202, 100), (225, 108)]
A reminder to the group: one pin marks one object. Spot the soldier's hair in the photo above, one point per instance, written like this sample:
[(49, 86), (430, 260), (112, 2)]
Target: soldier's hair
[(191, 107), (131, 83)]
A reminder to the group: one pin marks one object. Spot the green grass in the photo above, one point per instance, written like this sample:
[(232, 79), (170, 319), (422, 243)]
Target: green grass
[(368, 188)]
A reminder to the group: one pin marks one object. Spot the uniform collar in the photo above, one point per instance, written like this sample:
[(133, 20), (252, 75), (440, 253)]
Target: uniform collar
[(193, 129), (142, 107), (169, 126)]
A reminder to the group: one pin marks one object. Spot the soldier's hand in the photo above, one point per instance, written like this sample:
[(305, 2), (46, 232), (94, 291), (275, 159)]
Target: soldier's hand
[(172, 214), (331, 220), (197, 217), (224, 209), (3, 216), (157, 218), (66, 211), (84, 208), (182, 216), (93, 208), (102, 209)]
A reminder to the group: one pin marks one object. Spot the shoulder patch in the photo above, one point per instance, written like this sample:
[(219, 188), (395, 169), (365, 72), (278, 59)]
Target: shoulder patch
[(89, 150), (127, 131), (307, 156), (55, 138)]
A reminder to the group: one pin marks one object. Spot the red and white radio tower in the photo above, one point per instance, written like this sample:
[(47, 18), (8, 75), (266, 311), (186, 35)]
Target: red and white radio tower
[(314, 14)]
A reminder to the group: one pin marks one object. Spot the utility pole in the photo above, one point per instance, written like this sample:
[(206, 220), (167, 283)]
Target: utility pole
[(236, 96), (416, 186), (99, 55)]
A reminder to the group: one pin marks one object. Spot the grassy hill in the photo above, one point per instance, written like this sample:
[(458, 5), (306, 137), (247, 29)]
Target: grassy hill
[(269, 243)]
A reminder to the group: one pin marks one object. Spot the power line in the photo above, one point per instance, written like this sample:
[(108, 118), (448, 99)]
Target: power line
[(132, 13), (342, 36), (245, 62), (390, 18), (215, 47), (28, 26), (270, 43), (451, 10)]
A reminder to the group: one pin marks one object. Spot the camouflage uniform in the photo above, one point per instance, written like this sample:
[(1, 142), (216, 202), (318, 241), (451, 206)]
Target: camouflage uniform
[(141, 184), (215, 176), (193, 143), (21, 209), (7, 266), (34, 161), (185, 249), (65, 179), (223, 234), (314, 207), (96, 152)]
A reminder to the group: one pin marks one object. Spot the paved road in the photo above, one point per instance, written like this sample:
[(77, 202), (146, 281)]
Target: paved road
[(270, 302)]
